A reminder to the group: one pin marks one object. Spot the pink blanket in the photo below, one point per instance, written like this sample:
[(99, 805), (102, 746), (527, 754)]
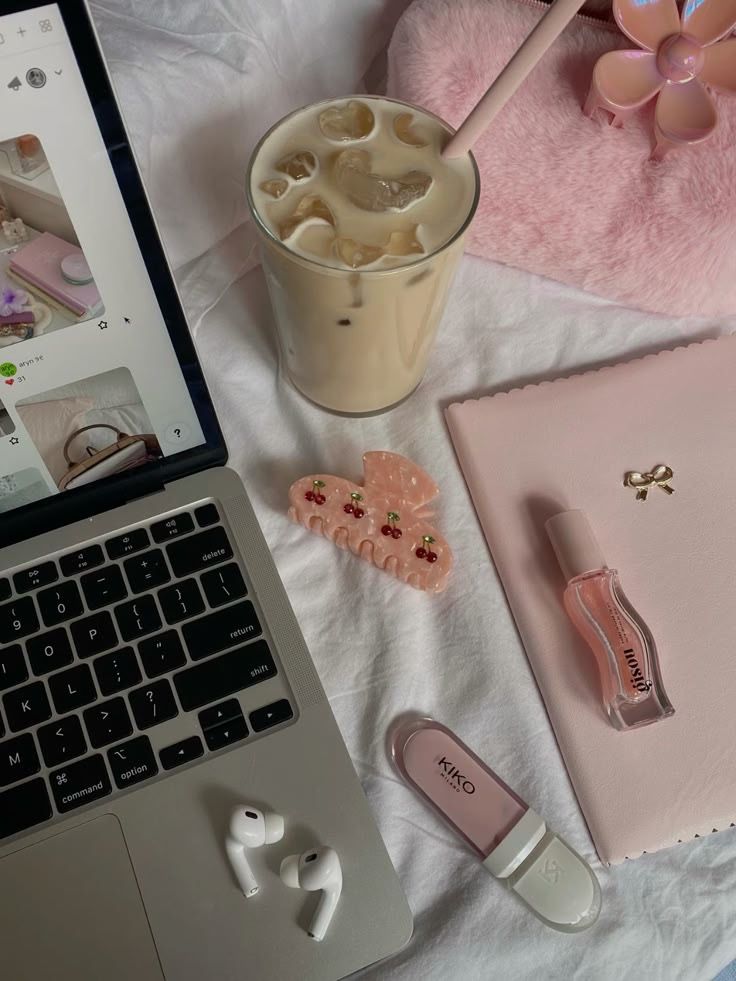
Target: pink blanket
[(566, 196)]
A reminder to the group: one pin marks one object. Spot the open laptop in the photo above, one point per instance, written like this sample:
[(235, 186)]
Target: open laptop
[(152, 673)]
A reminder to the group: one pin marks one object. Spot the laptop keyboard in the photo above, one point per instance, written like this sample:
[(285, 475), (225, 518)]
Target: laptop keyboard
[(102, 645)]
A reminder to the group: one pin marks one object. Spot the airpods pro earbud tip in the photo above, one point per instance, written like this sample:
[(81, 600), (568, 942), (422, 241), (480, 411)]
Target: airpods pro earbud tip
[(290, 871), (274, 828)]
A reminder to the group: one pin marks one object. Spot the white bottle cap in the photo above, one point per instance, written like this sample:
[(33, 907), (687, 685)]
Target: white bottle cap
[(550, 877), (518, 844)]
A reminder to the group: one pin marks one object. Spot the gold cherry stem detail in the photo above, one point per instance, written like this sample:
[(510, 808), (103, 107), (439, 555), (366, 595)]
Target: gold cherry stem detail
[(390, 529)]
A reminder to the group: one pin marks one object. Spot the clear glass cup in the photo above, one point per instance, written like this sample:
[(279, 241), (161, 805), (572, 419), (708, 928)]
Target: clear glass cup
[(357, 341)]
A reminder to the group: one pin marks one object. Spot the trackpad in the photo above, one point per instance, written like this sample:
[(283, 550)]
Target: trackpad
[(71, 910)]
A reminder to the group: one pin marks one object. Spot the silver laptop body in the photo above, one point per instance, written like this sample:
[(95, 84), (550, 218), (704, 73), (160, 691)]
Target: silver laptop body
[(152, 673)]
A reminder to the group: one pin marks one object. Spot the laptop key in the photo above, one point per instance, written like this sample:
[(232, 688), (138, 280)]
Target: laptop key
[(162, 653), (271, 715), (23, 806), (218, 631), (225, 735), (17, 619), (94, 634), (221, 676), (132, 762), (49, 651), (153, 704), (61, 740), (80, 783), (173, 527), (137, 618), (5, 590), (18, 759), (104, 586), (13, 670), (117, 671), (223, 585), (199, 551), (206, 515), (81, 561), (35, 577), (107, 722), (218, 714), (73, 688), (26, 707), (180, 753), (131, 541), (147, 571), (181, 601), (60, 603)]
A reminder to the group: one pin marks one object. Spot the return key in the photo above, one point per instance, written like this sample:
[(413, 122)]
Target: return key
[(218, 631)]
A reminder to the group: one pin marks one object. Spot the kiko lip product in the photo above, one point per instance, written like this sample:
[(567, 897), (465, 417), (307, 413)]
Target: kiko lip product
[(623, 646), (511, 840)]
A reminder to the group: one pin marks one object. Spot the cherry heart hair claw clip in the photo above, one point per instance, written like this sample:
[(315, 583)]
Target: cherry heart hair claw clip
[(386, 520)]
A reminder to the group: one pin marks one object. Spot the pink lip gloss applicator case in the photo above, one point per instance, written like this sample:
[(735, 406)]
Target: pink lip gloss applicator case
[(511, 840)]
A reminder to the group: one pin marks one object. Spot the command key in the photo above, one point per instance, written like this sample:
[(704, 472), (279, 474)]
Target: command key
[(80, 783)]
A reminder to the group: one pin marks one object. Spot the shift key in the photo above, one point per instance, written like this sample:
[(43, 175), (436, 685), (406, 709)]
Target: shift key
[(221, 676), (195, 552), (80, 783)]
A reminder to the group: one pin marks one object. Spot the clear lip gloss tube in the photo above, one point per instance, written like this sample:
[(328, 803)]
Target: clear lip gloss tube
[(623, 646)]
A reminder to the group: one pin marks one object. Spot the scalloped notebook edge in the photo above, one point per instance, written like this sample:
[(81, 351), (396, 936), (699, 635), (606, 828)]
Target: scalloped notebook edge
[(602, 369)]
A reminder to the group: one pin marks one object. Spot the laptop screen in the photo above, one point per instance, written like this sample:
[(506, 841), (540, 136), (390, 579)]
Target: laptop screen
[(91, 385)]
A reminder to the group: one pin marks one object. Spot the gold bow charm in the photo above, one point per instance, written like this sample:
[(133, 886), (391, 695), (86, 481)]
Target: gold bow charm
[(641, 482)]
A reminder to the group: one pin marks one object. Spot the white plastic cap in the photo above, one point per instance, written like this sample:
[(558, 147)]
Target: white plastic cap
[(516, 846), (554, 881)]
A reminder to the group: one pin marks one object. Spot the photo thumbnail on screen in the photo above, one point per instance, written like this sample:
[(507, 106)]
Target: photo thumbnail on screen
[(91, 428), (46, 283)]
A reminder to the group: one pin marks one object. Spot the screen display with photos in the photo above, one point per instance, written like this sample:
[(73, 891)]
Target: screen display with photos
[(90, 383)]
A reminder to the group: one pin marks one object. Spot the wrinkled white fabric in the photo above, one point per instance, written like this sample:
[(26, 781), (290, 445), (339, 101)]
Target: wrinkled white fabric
[(199, 84), (381, 648)]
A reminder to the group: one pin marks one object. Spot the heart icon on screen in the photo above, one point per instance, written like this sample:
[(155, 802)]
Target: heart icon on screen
[(9, 381)]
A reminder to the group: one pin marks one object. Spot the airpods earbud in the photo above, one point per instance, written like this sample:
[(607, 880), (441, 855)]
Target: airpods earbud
[(250, 828), (319, 868)]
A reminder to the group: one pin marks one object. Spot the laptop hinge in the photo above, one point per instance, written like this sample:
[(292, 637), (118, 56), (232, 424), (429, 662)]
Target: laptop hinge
[(67, 508)]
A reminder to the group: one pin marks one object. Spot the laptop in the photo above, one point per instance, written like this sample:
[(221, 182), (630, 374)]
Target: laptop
[(152, 674)]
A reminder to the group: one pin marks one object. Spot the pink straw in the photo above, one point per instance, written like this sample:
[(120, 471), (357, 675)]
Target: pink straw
[(544, 34)]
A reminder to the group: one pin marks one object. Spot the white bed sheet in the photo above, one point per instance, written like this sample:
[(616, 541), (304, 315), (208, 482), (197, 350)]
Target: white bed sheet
[(380, 647)]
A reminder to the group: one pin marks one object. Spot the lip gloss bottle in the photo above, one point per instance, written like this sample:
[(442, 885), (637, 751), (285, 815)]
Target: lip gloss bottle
[(633, 693), (511, 840)]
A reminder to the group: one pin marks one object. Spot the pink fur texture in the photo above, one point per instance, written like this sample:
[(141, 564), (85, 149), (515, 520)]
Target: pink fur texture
[(566, 196)]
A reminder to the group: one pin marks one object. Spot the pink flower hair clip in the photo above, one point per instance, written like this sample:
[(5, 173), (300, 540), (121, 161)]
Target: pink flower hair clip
[(684, 55), (384, 521)]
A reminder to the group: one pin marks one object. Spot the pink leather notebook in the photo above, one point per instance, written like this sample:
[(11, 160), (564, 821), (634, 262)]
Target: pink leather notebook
[(39, 263), (532, 452)]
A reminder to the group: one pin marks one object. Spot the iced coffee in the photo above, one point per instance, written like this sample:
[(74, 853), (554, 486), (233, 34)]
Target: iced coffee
[(361, 223)]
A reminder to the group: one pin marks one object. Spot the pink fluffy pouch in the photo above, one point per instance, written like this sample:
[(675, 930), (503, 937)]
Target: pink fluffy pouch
[(564, 195)]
